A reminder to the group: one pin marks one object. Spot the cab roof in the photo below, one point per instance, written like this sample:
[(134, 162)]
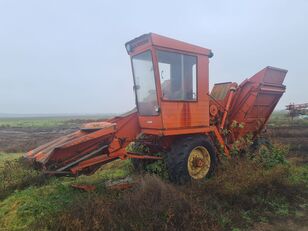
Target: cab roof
[(165, 42)]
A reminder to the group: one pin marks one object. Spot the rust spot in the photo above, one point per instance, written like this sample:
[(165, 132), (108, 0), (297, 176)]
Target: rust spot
[(186, 117)]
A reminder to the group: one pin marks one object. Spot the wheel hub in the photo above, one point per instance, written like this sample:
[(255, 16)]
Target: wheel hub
[(199, 162)]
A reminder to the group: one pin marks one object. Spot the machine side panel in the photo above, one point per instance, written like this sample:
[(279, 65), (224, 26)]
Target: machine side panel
[(150, 122), (256, 99)]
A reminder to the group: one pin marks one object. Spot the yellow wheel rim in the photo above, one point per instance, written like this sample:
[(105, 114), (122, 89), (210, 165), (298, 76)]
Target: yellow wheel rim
[(199, 162)]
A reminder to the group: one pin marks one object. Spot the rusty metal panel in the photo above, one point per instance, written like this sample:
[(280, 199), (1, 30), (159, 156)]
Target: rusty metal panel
[(220, 90), (77, 148), (255, 100)]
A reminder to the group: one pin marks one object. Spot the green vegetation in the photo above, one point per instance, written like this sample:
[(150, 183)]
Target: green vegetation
[(32, 122), (16, 175), (7, 157), (282, 119), (241, 194), (157, 167), (23, 208), (46, 122), (244, 191), (299, 174), (269, 156), (27, 197)]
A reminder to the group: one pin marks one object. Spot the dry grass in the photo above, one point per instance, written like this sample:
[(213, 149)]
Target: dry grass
[(241, 194), (153, 205), (243, 191)]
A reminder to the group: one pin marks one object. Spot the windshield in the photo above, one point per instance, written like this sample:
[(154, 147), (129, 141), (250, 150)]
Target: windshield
[(145, 83)]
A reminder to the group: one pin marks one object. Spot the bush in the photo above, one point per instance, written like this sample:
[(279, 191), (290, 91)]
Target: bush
[(270, 156), (16, 175), (157, 167)]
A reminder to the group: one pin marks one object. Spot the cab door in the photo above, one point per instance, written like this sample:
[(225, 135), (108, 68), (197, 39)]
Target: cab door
[(184, 87), (146, 91)]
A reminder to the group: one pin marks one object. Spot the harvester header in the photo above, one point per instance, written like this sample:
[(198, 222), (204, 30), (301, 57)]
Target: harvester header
[(176, 117)]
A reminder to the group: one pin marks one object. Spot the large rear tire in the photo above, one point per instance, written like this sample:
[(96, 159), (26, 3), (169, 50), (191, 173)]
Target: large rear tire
[(191, 158)]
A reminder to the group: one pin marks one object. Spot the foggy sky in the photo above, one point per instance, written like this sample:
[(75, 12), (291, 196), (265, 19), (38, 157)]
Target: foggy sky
[(68, 56)]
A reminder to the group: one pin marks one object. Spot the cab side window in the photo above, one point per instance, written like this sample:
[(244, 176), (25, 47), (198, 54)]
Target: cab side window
[(178, 77)]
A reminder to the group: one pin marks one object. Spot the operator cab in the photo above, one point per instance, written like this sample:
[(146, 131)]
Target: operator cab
[(171, 84)]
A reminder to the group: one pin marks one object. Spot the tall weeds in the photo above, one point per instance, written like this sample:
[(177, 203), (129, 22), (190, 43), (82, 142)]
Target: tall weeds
[(16, 174), (242, 192)]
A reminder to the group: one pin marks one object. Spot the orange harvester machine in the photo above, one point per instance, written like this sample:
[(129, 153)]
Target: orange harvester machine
[(171, 84)]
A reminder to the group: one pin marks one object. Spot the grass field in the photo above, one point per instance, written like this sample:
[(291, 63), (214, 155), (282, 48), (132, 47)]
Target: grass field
[(4, 157), (32, 122), (265, 193), (27, 197), (281, 118), (47, 121), (241, 195), (278, 118)]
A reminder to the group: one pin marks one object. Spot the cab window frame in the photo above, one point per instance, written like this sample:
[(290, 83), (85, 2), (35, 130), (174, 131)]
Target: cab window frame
[(152, 52), (159, 77)]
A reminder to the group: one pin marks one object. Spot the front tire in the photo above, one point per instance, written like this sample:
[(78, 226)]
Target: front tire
[(190, 158)]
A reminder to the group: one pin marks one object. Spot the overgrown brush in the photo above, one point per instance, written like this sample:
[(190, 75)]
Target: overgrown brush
[(153, 205), (271, 155), (242, 192), (258, 171), (245, 177), (16, 174), (156, 167), (23, 209)]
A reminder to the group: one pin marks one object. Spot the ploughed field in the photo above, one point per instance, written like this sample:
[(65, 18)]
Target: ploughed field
[(23, 134), (294, 135), (20, 135), (264, 192)]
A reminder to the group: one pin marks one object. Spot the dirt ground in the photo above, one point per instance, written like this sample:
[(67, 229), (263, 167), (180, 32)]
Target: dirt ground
[(15, 139), (21, 139), (296, 137)]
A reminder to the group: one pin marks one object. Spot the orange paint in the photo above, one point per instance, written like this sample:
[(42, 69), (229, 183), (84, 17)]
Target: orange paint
[(173, 88)]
